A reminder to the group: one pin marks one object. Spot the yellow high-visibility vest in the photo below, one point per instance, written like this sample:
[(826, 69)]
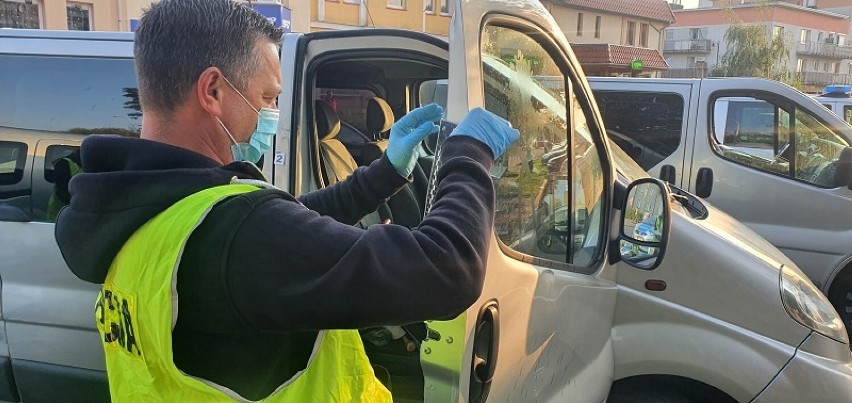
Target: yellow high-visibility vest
[(136, 313)]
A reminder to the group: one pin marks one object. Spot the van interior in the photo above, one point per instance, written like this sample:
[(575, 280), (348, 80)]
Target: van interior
[(354, 101)]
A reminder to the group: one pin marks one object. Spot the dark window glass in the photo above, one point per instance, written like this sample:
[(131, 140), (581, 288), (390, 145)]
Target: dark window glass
[(79, 96), (14, 14), (647, 126), (13, 156), (79, 17)]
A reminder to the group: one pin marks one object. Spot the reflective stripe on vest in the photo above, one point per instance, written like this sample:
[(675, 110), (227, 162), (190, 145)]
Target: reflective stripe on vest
[(136, 312)]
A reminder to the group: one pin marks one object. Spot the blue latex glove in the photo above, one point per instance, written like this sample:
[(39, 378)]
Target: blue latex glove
[(497, 133), (407, 133)]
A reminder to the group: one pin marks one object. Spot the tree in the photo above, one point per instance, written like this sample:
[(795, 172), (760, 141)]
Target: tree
[(754, 52)]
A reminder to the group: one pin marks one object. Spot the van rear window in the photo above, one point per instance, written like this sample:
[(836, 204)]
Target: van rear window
[(647, 126), (77, 96)]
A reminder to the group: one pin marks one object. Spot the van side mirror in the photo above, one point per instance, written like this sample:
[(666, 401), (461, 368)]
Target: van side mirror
[(843, 173), (645, 224)]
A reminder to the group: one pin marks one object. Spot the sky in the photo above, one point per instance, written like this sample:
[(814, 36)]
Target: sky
[(690, 3)]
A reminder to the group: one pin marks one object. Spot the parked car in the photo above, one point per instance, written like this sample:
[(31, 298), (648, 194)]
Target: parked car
[(711, 311), (838, 99), (760, 150)]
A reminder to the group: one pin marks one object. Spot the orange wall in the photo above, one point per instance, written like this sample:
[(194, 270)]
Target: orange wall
[(801, 18)]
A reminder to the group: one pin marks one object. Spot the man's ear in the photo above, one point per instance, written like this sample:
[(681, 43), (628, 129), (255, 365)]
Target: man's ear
[(209, 90)]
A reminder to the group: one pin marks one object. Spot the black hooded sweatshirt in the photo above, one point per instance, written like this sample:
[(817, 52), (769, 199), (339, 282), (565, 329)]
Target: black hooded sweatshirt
[(265, 270)]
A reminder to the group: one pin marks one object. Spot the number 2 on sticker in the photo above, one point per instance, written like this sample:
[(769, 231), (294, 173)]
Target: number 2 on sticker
[(279, 159)]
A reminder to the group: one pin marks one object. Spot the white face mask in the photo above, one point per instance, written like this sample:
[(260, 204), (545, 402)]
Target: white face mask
[(261, 139)]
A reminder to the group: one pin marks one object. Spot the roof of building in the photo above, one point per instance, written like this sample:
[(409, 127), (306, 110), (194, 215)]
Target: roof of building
[(617, 55), (657, 10)]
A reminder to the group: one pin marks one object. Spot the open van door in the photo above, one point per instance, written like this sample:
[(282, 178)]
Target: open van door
[(541, 329)]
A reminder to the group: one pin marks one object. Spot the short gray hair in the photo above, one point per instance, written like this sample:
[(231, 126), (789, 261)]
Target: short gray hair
[(178, 39)]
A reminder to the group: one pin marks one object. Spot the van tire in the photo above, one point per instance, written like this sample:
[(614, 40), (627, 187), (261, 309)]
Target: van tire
[(664, 389), (840, 297)]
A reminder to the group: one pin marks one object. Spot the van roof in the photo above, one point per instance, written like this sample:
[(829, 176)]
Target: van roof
[(51, 34), (66, 43)]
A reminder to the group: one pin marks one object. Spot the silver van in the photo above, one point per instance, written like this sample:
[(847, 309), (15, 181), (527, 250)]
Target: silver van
[(602, 283), (760, 150)]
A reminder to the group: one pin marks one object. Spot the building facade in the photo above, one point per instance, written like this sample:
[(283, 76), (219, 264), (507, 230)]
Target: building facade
[(615, 38), (118, 15), (89, 15), (817, 38), (430, 16)]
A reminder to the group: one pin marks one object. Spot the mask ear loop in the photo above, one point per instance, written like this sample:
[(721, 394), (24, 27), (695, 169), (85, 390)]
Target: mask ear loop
[(228, 132), (241, 95)]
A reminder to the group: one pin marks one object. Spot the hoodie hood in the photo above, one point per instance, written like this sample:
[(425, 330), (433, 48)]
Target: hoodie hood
[(126, 182)]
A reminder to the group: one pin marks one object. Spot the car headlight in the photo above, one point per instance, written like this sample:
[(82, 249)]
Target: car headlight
[(808, 306)]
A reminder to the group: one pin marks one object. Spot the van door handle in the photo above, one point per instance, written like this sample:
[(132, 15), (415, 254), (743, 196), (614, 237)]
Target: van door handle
[(486, 339), (704, 183), (667, 173)]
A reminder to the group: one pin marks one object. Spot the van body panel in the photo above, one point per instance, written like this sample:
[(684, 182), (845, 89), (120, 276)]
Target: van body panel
[(808, 376), (790, 214)]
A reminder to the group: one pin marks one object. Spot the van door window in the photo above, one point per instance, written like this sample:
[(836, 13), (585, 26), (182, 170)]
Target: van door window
[(757, 133), (543, 209), (647, 126), (62, 96), (13, 156)]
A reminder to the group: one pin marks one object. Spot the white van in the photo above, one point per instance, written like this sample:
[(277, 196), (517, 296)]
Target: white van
[(838, 99), (575, 307), (731, 141)]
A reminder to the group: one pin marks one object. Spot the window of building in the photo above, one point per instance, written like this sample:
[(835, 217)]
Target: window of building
[(669, 33), (786, 141), (690, 61), (841, 39), (819, 36), (631, 33), (847, 114), (816, 65), (79, 16), (445, 7), (806, 36), (825, 66), (647, 126), (396, 4), (20, 14), (597, 26), (777, 31), (643, 35), (579, 24), (697, 33), (429, 7), (354, 1), (800, 65), (550, 185)]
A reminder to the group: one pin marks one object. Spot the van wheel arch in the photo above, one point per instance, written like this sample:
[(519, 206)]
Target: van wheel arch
[(665, 389)]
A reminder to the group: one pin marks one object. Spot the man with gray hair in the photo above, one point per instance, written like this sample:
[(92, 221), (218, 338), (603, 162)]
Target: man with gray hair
[(214, 287)]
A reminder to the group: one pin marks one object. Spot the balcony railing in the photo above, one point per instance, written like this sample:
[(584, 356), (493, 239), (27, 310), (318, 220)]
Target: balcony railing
[(817, 78), (688, 46), (826, 50)]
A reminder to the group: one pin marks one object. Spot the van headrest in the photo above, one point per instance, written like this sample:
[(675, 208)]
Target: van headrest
[(328, 122), (379, 117)]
